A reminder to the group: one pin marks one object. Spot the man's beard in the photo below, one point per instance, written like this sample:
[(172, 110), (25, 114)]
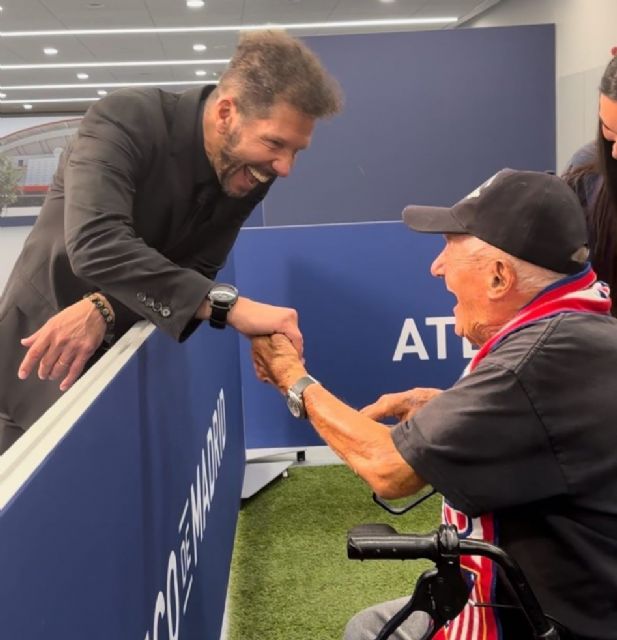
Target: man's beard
[(229, 163)]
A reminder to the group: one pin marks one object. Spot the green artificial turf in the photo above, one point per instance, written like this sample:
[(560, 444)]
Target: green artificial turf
[(291, 579)]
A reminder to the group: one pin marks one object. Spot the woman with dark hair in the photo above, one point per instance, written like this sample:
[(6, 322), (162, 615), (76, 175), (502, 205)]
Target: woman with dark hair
[(592, 173)]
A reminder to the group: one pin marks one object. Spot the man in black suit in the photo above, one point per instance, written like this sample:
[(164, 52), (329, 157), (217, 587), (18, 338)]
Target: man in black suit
[(144, 208)]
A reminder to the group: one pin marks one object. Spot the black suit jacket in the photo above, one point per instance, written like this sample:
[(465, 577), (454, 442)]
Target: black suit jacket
[(123, 216)]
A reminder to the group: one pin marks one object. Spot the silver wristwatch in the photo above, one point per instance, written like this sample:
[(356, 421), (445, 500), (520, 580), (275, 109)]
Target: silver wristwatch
[(295, 396), (222, 298)]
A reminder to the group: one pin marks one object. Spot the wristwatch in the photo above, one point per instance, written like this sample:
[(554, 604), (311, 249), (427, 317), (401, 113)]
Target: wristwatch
[(295, 396), (222, 298)]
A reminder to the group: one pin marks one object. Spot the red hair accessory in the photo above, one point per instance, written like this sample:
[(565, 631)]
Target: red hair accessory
[(614, 51)]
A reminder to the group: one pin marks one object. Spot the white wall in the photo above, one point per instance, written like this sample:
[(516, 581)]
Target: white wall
[(11, 241), (585, 32)]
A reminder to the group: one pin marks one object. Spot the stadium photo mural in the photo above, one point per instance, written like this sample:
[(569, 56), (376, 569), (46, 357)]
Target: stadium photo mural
[(29, 152)]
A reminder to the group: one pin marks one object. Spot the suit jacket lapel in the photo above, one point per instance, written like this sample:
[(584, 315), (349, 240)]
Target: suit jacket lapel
[(183, 139)]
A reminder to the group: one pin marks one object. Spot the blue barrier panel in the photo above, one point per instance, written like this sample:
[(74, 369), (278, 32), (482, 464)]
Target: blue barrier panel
[(428, 116), (126, 530), (374, 320)]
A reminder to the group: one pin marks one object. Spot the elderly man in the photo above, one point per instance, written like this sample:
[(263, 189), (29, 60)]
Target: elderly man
[(146, 204), (523, 446)]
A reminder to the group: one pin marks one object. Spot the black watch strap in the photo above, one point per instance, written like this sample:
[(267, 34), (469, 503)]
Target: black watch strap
[(218, 315)]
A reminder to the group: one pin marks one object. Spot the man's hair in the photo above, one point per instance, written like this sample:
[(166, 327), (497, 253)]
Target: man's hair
[(530, 278), (270, 67)]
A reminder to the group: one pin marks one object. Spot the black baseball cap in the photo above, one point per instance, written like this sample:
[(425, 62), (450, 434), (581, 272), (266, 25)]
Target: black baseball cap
[(531, 215)]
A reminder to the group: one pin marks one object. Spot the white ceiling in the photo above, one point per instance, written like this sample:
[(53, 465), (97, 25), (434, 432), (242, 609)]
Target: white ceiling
[(68, 15)]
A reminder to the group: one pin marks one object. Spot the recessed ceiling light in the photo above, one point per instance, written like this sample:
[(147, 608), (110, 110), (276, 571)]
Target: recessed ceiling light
[(2, 96), (82, 76), (50, 51), (387, 1), (27, 107), (102, 92), (200, 72), (199, 47), (195, 4)]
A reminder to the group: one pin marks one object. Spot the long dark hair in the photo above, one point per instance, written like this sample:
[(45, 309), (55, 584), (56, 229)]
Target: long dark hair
[(602, 208)]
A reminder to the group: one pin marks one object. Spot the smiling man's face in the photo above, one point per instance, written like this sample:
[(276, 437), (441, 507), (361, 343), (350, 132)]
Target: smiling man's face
[(253, 151)]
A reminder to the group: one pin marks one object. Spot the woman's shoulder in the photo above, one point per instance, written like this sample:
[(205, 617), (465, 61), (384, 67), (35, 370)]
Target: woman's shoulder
[(585, 155)]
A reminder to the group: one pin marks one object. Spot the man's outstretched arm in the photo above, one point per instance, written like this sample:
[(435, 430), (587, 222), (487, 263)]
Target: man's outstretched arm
[(363, 444)]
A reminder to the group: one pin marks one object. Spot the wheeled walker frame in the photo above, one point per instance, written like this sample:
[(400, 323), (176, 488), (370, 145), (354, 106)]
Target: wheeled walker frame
[(442, 592)]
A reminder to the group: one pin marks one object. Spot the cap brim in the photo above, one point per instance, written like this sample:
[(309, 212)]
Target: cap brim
[(431, 220)]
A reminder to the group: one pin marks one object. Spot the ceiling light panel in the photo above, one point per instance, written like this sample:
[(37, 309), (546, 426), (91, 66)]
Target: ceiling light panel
[(217, 25), (109, 64), (346, 24)]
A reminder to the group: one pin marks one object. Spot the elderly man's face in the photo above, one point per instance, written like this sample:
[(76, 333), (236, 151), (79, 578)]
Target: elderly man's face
[(466, 277)]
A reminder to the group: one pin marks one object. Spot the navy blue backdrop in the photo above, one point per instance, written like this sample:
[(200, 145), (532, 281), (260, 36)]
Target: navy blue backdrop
[(126, 530), (374, 320), (428, 116)]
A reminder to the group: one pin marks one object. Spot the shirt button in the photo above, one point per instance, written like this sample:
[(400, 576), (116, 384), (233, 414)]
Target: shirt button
[(141, 296), (149, 302), (157, 307), (165, 312)]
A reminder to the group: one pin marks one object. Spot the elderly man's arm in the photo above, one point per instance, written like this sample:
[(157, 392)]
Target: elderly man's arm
[(365, 445)]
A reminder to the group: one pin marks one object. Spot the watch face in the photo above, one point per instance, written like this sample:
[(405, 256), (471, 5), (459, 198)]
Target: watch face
[(294, 406), (223, 293)]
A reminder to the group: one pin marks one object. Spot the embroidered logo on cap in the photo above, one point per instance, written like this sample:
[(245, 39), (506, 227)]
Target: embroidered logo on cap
[(478, 190)]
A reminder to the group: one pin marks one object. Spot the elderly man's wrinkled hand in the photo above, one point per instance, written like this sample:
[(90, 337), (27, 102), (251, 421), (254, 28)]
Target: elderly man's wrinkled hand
[(277, 361), (401, 406)]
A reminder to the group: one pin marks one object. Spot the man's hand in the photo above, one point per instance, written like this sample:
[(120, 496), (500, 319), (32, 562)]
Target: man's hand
[(64, 344), (402, 406), (257, 319), (277, 361)]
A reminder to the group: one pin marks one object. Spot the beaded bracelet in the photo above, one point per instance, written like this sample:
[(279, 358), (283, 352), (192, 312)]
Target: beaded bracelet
[(103, 309)]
